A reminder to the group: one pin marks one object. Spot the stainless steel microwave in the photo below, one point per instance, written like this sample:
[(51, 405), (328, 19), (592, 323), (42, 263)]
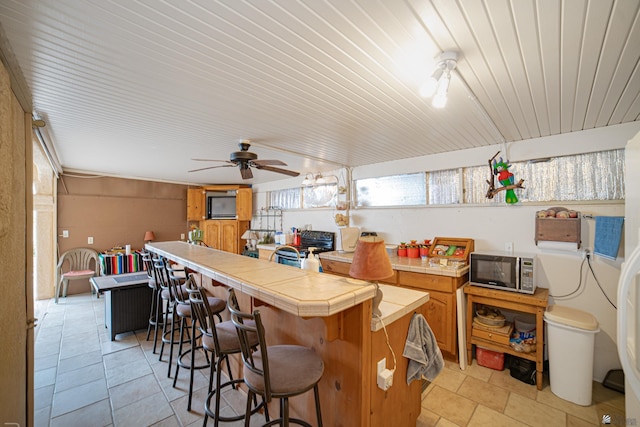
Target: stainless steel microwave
[(499, 270)]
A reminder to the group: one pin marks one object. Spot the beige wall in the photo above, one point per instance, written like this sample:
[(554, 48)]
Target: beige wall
[(117, 212), (16, 356)]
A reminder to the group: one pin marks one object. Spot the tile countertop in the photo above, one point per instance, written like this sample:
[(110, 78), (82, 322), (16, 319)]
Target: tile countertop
[(402, 263), (299, 292)]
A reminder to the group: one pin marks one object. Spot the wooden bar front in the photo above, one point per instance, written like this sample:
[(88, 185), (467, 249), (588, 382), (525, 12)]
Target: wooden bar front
[(349, 395)]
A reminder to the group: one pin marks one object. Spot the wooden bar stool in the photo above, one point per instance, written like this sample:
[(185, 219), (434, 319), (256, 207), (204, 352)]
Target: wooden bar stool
[(277, 371), (221, 340)]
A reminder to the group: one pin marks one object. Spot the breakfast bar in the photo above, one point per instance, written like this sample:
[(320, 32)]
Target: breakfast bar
[(330, 314)]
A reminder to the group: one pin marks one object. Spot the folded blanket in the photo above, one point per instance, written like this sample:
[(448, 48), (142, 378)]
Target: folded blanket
[(607, 236), (421, 348)]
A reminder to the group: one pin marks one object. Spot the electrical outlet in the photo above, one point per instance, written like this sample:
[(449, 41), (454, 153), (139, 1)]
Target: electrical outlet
[(65, 233), (181, 236), (385, 379), (90, 240), (385, 376), (508, 247)]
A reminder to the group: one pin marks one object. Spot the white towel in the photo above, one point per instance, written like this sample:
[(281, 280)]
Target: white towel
[(421, 348)]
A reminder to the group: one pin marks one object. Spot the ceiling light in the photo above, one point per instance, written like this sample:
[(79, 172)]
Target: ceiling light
[(437, 86)]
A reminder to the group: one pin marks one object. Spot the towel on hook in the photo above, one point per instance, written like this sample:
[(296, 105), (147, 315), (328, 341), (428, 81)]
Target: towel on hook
[(421, 348), (607, 236)]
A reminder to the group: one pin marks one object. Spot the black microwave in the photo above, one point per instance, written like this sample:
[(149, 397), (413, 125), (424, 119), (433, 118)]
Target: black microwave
[(497, 270)]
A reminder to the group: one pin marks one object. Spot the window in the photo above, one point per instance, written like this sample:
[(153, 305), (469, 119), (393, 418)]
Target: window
[(396, 190), (285, 199), (314, 196), (581, 177), (319, 195)]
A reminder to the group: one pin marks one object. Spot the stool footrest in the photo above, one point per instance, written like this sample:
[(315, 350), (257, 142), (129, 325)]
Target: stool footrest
[(209, 412)]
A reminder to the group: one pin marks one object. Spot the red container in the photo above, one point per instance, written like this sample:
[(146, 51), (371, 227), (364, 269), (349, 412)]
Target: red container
[(402, 251), (490, 359), (413, 252)]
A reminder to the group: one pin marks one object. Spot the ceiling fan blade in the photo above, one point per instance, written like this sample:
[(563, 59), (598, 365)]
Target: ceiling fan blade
[(278, 170), (245, 171), (210, 160), (211, 167), (269, 162)]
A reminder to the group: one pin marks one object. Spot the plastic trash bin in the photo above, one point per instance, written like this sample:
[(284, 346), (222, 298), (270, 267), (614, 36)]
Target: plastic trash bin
[(570, 339)]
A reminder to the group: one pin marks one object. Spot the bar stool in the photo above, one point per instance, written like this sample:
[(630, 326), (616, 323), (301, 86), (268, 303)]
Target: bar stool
[(278, 371), (221, 340), (169, 325), (155, 311), (183, 309)]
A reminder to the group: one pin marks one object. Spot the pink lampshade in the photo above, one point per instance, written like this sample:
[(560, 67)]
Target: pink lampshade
[(371, 261), (149, 236)]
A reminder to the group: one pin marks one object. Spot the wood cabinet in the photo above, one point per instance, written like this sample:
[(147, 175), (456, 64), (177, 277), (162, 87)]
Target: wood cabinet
[(244, 204), (196, 204), (441, 308), (535, 304), (225, 234)]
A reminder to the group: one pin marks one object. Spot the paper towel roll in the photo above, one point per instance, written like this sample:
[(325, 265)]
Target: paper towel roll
[(558, 246), (128, 249)]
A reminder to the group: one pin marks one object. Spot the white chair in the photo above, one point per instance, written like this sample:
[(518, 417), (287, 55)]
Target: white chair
[(75, 264)]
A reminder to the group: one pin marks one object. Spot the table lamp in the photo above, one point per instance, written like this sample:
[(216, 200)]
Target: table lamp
[(149, 236), (371, 263)]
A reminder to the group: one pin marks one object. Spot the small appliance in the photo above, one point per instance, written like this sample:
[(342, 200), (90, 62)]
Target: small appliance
[(349, 238), (499, 270)]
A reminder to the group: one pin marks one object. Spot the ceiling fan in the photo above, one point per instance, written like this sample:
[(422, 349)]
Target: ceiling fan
[(245, 160)]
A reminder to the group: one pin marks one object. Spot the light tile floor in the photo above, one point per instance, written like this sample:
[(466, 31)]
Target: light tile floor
[(84, 379)]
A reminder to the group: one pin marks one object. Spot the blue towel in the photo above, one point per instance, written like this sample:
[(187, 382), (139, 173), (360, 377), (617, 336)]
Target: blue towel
[(608, 235)]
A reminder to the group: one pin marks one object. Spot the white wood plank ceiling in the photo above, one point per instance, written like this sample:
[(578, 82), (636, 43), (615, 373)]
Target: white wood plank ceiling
[(139, 88)]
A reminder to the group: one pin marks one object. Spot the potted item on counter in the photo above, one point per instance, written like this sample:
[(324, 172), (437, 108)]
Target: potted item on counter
[(402, 249), (424, 248), (413, 249)]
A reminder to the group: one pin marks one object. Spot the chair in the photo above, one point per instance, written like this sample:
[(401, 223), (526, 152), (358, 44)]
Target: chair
[(75, 264), (156, 309), (278, 371), (167, 300), (182, 308), (221, 340)]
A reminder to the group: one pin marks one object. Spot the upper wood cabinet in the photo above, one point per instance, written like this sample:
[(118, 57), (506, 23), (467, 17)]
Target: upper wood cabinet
[(244, 204), (197, 201), (196, 204)]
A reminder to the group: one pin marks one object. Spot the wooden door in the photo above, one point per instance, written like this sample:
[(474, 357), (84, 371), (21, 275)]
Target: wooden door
[(16, 266), (440, 315), (212, 232), (229, 236), (244, 199), (196, 204)]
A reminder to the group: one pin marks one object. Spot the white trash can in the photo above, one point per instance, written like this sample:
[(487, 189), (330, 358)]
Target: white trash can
[(570, 340)]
